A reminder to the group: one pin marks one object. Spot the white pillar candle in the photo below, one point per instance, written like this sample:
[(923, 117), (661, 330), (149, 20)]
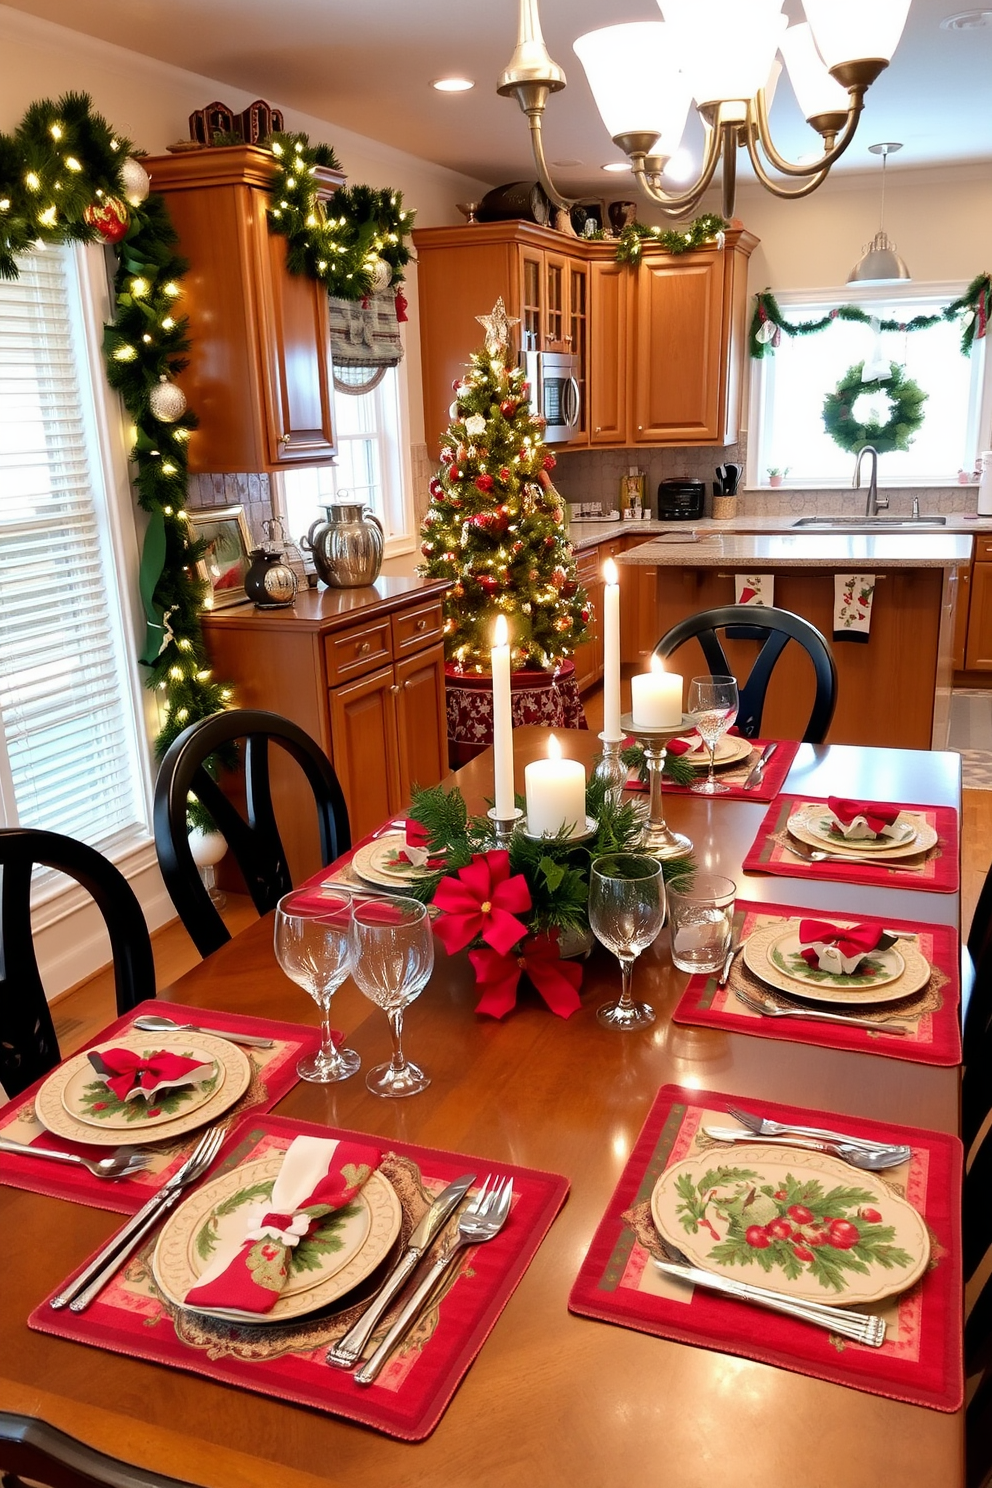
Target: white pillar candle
[(556, 794), (611, 652), (499, 658), (656, 697)]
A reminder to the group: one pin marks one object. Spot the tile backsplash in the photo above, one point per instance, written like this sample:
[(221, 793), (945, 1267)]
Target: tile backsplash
[(594, 475)]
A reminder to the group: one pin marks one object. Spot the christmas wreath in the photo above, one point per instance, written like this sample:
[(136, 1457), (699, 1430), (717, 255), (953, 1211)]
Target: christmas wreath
[(906, 416)]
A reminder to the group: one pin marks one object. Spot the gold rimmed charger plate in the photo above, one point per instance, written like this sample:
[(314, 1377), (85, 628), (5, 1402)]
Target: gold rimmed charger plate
[(370, 863), (730, 750), (767, 952), (85, 1089), (56, 1119), (735, 1192), (215, 1212), (799, 826)]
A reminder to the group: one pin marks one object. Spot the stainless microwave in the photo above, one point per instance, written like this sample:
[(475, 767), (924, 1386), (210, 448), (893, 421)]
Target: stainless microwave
[(554, 392)]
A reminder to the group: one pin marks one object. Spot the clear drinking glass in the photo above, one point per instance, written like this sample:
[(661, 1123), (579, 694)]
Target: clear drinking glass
[(313, 947), (701, 921), (626, 912), (712, 705), (393, 953)]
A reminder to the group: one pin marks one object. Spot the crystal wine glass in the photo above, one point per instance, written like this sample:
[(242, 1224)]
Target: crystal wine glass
[(626, 912), (313, 947), (713, 709), (393, 953)]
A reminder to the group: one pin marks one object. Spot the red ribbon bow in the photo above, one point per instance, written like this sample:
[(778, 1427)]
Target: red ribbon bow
[(482, 900), (556, 980), (416, 833), (877, 814), (850, 940), (129, 1071)]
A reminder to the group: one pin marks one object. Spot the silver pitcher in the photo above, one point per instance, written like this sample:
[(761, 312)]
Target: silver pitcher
[(346, 545)]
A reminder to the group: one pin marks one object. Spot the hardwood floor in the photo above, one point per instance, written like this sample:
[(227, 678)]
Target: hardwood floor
[(83, 1010)]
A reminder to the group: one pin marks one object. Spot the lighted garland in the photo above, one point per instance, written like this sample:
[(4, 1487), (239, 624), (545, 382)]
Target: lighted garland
[(65, 176), (896, 433), (701, 233), (768, 324), (340, 242)]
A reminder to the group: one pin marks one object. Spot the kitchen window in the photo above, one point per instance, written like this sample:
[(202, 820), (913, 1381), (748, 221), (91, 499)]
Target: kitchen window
[(370, 465), (788, 389), (70, 721)]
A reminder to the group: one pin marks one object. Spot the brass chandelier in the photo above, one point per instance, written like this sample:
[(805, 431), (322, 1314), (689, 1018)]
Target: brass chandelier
[(722, 55)]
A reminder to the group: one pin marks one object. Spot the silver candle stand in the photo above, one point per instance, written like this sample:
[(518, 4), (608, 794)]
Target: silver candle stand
[(611, 769), (658, 840), (504, 827)]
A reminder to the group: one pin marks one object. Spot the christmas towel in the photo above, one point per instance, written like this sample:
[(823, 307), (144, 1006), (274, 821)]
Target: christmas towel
[(853, 595), (754, 589), (318, 1176)]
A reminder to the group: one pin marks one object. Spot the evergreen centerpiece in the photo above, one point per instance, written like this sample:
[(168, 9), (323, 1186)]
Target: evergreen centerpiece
[(495, 526)]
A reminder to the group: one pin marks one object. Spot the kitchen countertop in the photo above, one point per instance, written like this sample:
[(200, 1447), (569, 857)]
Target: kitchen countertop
[(862, 551), (335, 609), (588, 534)]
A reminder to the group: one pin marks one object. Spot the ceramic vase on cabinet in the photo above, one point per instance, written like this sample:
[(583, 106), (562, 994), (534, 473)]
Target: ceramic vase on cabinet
[(347, 545)]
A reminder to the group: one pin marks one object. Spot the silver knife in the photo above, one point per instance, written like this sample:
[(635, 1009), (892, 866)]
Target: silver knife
[(754, 779), (732, 949), (348, 1350)]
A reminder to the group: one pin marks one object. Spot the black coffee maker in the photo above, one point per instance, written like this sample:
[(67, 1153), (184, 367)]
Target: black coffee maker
[(680, 500)]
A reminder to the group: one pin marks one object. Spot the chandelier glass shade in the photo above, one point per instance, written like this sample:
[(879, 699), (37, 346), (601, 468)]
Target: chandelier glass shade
[(723, 56)]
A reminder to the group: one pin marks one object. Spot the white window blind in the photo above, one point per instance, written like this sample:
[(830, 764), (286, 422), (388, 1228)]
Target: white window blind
[(68, 759)]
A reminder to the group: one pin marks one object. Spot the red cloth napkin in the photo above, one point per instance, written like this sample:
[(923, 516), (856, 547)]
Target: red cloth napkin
[(689, 743), (850, 940), (317, 1178), (127, 1073), (877, 814)]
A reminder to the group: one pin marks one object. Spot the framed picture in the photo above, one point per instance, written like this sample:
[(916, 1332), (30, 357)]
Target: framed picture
[(225, 563)]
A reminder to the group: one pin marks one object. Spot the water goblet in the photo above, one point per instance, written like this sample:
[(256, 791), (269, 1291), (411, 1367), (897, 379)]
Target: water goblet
[(393, 954), (313, 947), (713, 708), (626, 912)]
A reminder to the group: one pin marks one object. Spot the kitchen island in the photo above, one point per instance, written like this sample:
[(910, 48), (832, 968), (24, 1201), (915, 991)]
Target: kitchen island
[(893, 689)]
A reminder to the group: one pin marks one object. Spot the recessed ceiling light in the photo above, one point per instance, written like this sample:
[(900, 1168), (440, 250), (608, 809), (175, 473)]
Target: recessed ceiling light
[(967, 20), (453, 84), (617, 165), (566, 164)]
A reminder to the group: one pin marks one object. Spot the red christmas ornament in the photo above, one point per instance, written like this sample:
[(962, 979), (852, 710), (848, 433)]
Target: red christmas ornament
[(508, 407), (427, 549), (549, 542), (435, 487), (504, 474), (549, 462), (517, 548), (525, 390), (447, 456), (489, 586), (110, 218), (457, 473), (401, 307), (585, 612), (569, 588), (484, 483)]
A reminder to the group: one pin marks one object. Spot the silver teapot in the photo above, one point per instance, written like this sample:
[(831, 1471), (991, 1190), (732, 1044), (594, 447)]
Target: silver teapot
[(347, 544)]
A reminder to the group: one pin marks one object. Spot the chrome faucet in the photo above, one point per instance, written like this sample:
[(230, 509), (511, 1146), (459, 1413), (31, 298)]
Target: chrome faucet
[(875, 503)]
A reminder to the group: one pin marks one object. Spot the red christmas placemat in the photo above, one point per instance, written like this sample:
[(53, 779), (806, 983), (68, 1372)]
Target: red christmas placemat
[(772, 780), (921, 1359), (937, 872), (287, 1361), (273, 1073), (929, 1020)]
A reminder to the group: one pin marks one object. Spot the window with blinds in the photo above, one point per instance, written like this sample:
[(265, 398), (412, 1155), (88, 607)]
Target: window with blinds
[(68, 747)]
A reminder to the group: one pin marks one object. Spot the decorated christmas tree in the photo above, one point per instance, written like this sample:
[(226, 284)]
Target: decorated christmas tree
[(495, 528)]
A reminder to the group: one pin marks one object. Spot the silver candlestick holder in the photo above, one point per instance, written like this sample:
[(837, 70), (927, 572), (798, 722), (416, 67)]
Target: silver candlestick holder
[(658, 840), (504, 827), (611, 769)]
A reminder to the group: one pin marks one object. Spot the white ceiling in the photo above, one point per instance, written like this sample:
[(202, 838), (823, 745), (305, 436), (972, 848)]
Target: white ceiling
[(367, 65)]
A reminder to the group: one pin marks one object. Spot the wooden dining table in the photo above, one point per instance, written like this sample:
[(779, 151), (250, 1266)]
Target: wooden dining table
[(552, 1398)]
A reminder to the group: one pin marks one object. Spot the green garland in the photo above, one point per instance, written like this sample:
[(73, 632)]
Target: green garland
[(975, 306), (700, 233), (340, 250), (896, 433), (62, 162)]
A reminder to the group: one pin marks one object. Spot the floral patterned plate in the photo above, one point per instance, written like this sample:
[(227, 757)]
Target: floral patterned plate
[(52, 1114), (772, 953), (810, 824), (794, 1221), (730, 750), (87, 1098), (378, 863), (323, 1268)]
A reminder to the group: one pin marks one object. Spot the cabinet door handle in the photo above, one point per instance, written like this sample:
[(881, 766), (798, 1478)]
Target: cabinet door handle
[(395, 688), (421, 624), (363, 648), (285, 438)]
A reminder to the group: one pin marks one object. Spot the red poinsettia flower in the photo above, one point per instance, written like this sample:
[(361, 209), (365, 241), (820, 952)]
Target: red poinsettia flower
[(556, 980), (482, 900)]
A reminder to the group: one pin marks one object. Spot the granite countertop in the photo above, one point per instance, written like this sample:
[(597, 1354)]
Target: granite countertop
[(333, 609), (860, 551), (588, 534)]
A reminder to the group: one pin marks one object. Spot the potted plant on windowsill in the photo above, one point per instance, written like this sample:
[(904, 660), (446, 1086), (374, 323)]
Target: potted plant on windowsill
[(776, 475)]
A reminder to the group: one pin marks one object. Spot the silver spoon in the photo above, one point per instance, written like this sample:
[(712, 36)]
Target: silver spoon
[(122, 1162), (153, 1023)]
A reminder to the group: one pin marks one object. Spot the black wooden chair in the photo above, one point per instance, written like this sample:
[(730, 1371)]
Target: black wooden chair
[(28, 1046), (775, 628), (254, 838), (45, 1455), (977, 1237)]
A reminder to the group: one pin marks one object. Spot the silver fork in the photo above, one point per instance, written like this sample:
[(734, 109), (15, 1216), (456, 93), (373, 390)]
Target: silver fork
[(817, 855), (120, 1163), (769, 1010), (81, 1291), (481, 1221), (763, 1126), (864, 1328)]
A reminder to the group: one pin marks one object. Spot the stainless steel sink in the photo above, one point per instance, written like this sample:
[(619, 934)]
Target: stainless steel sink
[(868, 524)]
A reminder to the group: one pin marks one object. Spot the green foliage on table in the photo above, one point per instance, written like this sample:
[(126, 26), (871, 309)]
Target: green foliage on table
[(973, 308), (907, 399), (676, 766)]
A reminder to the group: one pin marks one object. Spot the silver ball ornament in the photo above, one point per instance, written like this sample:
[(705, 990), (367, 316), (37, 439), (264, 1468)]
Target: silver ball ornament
[(167, 401), (137, 183)]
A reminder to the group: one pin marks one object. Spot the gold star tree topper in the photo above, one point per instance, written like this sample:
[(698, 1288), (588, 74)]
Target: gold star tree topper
[(497, 327)]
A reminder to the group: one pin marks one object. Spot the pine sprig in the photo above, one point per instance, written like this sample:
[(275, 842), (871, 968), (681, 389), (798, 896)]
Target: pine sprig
[(676, 766), (973, 308), (701, 233)]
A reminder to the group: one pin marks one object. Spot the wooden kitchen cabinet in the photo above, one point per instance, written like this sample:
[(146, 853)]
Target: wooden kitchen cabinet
[(609, 296), (978, 650), (259, 374), (962, 604)]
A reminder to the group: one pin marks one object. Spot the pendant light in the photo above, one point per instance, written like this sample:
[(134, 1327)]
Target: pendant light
[(880, 263)]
